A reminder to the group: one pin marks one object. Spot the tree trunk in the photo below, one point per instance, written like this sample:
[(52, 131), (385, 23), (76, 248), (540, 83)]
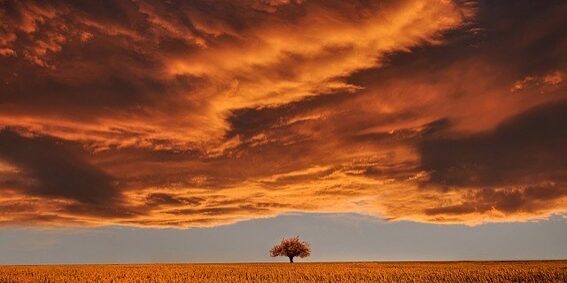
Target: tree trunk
[(290, 259)]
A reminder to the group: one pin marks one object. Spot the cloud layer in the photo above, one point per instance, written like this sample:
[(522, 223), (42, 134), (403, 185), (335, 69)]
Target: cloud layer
[(202, 113)]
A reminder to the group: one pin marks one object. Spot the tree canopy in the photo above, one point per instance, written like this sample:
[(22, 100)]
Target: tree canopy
[(291, 247)]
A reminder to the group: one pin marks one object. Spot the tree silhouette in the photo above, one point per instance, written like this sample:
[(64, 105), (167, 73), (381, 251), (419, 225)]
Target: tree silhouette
[(291, 248)]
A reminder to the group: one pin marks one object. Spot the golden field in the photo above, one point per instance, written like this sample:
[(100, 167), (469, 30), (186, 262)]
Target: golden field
[(526, 271)]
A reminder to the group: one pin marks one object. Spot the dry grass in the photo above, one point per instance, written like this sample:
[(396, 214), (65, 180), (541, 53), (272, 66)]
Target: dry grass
[(534, 271)]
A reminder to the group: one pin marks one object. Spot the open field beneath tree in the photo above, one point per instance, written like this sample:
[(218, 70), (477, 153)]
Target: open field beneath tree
[(524, 271)]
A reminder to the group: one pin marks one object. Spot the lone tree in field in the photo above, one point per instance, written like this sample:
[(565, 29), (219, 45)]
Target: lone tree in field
[(291, 248)]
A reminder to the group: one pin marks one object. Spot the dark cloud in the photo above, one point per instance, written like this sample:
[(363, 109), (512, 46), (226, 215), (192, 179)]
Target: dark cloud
[(531, 199), (167, 199), (524, 149), (248, 122), (57, 169), (213, 211)]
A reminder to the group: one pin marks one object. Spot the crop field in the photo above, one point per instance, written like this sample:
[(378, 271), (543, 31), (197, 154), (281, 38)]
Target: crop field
[(525, 271)]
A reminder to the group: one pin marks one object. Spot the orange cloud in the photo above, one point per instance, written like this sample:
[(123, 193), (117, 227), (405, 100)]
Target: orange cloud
[(203, 113)]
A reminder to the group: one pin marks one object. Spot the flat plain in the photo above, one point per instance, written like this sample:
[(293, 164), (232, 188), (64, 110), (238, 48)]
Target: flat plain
[(487, 271)]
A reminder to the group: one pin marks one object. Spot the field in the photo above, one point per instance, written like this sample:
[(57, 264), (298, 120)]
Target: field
[(528, 271)]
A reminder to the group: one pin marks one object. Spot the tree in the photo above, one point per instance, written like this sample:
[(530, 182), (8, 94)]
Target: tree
[(291, 248)]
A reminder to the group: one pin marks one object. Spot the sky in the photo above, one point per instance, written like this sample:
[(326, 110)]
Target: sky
[(333, 237), (442, 117)]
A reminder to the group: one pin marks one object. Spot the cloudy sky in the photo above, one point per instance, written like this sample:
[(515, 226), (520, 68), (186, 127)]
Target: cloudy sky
[(191, 114)]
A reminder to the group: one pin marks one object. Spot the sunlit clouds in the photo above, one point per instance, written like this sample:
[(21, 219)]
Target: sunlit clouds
[(201, 113)]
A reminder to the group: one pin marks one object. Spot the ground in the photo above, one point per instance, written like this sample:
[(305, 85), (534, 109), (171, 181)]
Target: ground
[(519, 271)]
